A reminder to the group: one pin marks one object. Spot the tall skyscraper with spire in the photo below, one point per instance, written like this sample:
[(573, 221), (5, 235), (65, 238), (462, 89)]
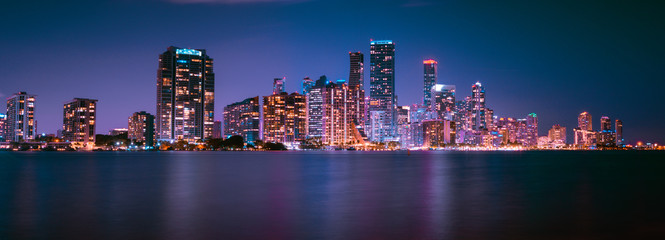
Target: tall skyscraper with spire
[(430, 74), (382, 89), (185, 95), (356, 87)]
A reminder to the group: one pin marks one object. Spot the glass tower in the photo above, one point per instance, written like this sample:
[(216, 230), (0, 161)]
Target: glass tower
[(185, 95), (430, 67), (382, 88)]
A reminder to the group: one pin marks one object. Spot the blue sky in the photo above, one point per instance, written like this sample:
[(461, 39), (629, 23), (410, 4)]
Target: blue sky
[(555, 58)]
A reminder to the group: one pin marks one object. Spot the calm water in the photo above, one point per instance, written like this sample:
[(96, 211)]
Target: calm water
[(332, 195)]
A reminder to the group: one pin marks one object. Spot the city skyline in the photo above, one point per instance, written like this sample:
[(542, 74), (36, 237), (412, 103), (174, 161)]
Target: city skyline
[(556, 98)]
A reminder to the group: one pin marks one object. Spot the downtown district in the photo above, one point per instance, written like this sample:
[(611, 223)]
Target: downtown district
[(325, 114)]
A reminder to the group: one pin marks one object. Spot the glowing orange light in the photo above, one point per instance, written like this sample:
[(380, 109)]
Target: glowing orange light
[(429, 61)]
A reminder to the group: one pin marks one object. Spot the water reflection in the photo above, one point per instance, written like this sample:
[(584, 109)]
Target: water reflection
[(330, 195)]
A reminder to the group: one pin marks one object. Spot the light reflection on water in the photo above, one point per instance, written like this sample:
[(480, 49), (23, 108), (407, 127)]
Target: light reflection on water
[(331, 195)]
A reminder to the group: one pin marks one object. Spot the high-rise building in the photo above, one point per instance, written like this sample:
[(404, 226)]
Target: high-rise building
[(243, 118), (618, 130), (307, 85), (557, 135), (141, 128), (284, 117), (584, 135), (443, 101), (605, 123), (20, 123), (606, 136), (382, 88), (185, 95), (478, 107), (584, 121), (438, 133), (217, 129), (338, 117), (531, 137), (3, 124), (430, 74), (79, 122), (357, 87), (315, 111), (376, 125), (278, 85), (489, 119)]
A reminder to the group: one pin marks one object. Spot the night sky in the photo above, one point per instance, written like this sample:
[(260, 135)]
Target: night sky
[(556, 58)]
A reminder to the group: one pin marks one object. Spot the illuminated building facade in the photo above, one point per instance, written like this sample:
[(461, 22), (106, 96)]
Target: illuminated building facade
[(141, 128), (243, 118), (185, 95), (278, 85), (376, 125), (307, 85), (315, 111), (284, 117), (584, 121), (79, 122), (357, 87), (20, 124), (478, 107), (618, 130), (438, 133), (584, 135), (606, 136), (382, 88), (430, 74), (3, 124), (531, 135), (557, 135), (443, 101), (338, 116)]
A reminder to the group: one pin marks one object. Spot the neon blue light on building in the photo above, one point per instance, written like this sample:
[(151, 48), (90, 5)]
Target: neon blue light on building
[(381, 42), (187, 51)]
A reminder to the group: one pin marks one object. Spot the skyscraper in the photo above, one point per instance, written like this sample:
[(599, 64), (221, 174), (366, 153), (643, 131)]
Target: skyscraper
[(357, 87), (20, 123), (618, 129), (79, 122), (478, 107), (243, 118), (315, 111), (531, 137), (284, 117), (3, 124), (382, 88), (438, 133), (443, 101), (584, 135), (338, 117), (557, 135), (606, 136), (141, 128), (185, 95), (584, 121), (605, 123), (278, 85), (430, 67), (307, 84)]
